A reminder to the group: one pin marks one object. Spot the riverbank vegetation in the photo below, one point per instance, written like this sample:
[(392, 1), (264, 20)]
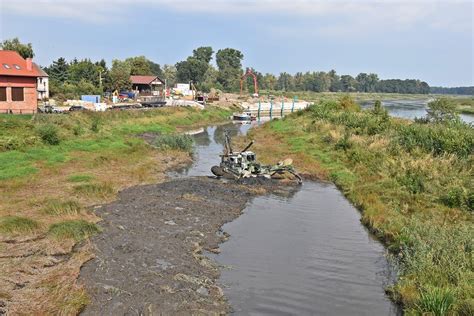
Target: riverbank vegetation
[(53, 168), (412, 181), (464, 105)]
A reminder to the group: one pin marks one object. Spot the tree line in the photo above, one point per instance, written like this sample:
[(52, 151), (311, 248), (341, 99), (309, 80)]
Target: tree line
[(455, 90), (70, 79)]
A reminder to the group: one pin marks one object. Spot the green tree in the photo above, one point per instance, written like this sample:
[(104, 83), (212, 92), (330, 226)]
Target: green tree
[(335, 80), (84, 70), (269, 81), (139, 65), (373, 80), (120, 75), (210, 79), (191, 69), (203, 54), (194, 68), (58, 71), (229, 62), (363, 82), (25, 50), (86, 87), (169, 73), (299, 81), (285, 82), (442, 110), (348, 83), (155, 69)]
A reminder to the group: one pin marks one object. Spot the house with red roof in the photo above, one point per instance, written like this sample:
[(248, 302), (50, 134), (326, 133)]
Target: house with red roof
[(18, 84), (147, 85)]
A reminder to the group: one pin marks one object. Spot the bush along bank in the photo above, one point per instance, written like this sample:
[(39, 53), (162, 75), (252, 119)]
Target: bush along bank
[(412, 181)]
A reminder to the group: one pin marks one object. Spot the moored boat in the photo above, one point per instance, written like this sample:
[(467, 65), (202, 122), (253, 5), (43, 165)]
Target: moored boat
[(245, 116)]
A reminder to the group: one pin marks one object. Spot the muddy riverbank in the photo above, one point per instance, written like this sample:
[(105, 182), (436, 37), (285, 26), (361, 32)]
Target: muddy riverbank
[(149, 257)]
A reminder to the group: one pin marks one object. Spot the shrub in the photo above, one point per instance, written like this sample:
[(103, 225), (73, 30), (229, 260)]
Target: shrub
[(95, 125), (73, 229), (413, 181), (17, 224), (377, 106), (344, 143), (55, 207), (347, 103), (179, 142), (470, 201), (442, 110), (436, 301), (77, 130), (95, 189), (453, 198), (49, 134), (455, 139)]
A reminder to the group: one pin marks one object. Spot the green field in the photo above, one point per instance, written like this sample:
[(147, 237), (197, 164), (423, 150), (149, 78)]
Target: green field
[(54, 168)]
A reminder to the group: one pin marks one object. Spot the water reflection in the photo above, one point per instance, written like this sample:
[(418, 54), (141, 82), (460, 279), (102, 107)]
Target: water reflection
[(304, 254)]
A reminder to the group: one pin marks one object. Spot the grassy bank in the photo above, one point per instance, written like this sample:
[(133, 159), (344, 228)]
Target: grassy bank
[(413, 183), (464, 105), (52, 169)]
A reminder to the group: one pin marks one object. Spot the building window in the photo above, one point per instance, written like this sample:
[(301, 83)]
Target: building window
[(18, 94), (7, 66), (16, 67), (3, 94)]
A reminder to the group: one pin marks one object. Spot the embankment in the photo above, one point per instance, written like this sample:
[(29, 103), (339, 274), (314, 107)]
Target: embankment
[(413, 183)]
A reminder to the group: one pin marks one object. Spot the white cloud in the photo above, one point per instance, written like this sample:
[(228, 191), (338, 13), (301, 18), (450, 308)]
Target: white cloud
[(346, 15)]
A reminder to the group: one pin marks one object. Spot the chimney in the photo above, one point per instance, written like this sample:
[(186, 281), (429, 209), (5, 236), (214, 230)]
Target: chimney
[(29, 64)]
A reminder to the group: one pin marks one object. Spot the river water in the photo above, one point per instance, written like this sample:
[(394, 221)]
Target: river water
[(410, 109), (302, 254)]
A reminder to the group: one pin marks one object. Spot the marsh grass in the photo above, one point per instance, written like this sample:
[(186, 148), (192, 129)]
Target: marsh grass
[(57, 207), (73, 229), (80, 178), (18, 225), (436, 301), (104, 189), (175, 142)]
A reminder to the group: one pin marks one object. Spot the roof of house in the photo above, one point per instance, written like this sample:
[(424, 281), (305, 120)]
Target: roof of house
[(12, 64), (144, 79), (41, 72)]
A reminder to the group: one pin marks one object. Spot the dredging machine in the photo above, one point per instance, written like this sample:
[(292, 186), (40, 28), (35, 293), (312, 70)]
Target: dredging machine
[(243, 164)]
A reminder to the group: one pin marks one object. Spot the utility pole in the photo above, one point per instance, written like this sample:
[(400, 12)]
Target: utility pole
[(100, 79)]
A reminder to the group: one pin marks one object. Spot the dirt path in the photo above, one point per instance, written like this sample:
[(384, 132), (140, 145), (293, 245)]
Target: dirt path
[(149, 257)]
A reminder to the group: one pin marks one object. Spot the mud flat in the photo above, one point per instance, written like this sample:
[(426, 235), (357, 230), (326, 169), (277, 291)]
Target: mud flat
[(149, 257)]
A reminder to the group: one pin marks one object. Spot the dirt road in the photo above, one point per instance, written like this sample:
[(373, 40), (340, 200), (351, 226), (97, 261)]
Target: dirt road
[(149, 258)]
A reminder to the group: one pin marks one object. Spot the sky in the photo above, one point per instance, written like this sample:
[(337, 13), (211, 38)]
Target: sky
[(420, 39)]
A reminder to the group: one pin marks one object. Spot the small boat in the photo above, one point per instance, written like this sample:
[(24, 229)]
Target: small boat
[(152, 101), (245, 116)]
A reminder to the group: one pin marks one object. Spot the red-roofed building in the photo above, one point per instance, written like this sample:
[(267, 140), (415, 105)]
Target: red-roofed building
[(147, 85), (18, 83)]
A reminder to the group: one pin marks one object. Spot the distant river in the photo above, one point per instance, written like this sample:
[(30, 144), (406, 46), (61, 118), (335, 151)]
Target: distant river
[(410, 109)]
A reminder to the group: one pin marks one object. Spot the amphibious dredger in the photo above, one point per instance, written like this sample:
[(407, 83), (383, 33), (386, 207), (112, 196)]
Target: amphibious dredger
[(243, 164)]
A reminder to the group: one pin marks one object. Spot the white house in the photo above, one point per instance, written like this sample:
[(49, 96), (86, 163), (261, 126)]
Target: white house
[(42, 85)]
